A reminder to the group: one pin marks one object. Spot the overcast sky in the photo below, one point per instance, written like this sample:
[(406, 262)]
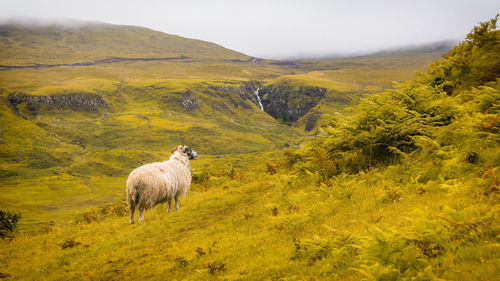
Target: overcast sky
[(279, 28)]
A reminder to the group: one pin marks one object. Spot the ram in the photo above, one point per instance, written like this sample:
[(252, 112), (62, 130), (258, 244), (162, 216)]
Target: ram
[(159, 182)]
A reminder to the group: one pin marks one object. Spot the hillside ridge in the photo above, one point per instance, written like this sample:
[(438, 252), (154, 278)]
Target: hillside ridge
[(53, 44), (90, 63)]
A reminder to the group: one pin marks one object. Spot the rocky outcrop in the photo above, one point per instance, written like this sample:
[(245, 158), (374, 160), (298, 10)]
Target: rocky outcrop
[(288, 103), (310, 120), (284, 100), (229, 95), (189, 101), (73, 101), (238, 94)]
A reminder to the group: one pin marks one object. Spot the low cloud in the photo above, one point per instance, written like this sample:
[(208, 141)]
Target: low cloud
[(278, 29)]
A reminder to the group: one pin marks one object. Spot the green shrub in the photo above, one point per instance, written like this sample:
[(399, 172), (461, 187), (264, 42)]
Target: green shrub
[(312, 250), (291, 157), (118, 208), (441, 108), (8, 223), (201, 177)]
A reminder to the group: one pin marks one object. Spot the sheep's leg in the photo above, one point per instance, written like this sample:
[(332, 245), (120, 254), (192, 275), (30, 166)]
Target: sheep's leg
[(176, 203), (132, 209), (169, 205), (141, 214)]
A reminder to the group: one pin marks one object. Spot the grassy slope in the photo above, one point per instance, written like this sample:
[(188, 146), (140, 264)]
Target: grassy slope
[(296, 229), (85, 164), (139, 126), (352, 227), (94, 41), (137, 77)]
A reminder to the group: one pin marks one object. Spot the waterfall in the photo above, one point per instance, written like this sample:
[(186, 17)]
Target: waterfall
[(258, 99)]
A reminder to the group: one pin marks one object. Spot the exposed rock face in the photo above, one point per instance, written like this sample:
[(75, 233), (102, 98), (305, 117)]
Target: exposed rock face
[(311, 120), (255, 60), (285, 63), (189, 102), (73, 101), (289, 103), (244, 93), (282, 101)]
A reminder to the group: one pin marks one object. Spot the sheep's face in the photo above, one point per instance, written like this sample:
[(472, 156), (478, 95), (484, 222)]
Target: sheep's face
[(190, 153)]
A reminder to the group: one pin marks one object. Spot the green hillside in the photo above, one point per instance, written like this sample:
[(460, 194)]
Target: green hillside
[(402, 185), (121, 114), (25, 44), (94, 139)]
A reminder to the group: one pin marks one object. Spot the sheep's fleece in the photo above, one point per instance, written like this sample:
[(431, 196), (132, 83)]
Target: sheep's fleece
[(160, 182)]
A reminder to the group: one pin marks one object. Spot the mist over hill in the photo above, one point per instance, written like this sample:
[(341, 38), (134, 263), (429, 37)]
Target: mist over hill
[(64, 40)]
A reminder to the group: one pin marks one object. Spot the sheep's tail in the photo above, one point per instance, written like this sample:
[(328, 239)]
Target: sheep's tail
[(132, 194)]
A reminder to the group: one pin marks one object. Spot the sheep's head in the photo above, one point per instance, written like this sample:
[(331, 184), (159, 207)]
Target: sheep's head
[(192, 155), (185, 151)]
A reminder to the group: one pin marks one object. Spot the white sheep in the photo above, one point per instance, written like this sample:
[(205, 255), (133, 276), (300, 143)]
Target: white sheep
[(160, 182)]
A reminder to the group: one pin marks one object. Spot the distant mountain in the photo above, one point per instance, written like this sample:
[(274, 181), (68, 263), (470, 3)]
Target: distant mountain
[(89, 41), (406, 50), (438, 46)]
